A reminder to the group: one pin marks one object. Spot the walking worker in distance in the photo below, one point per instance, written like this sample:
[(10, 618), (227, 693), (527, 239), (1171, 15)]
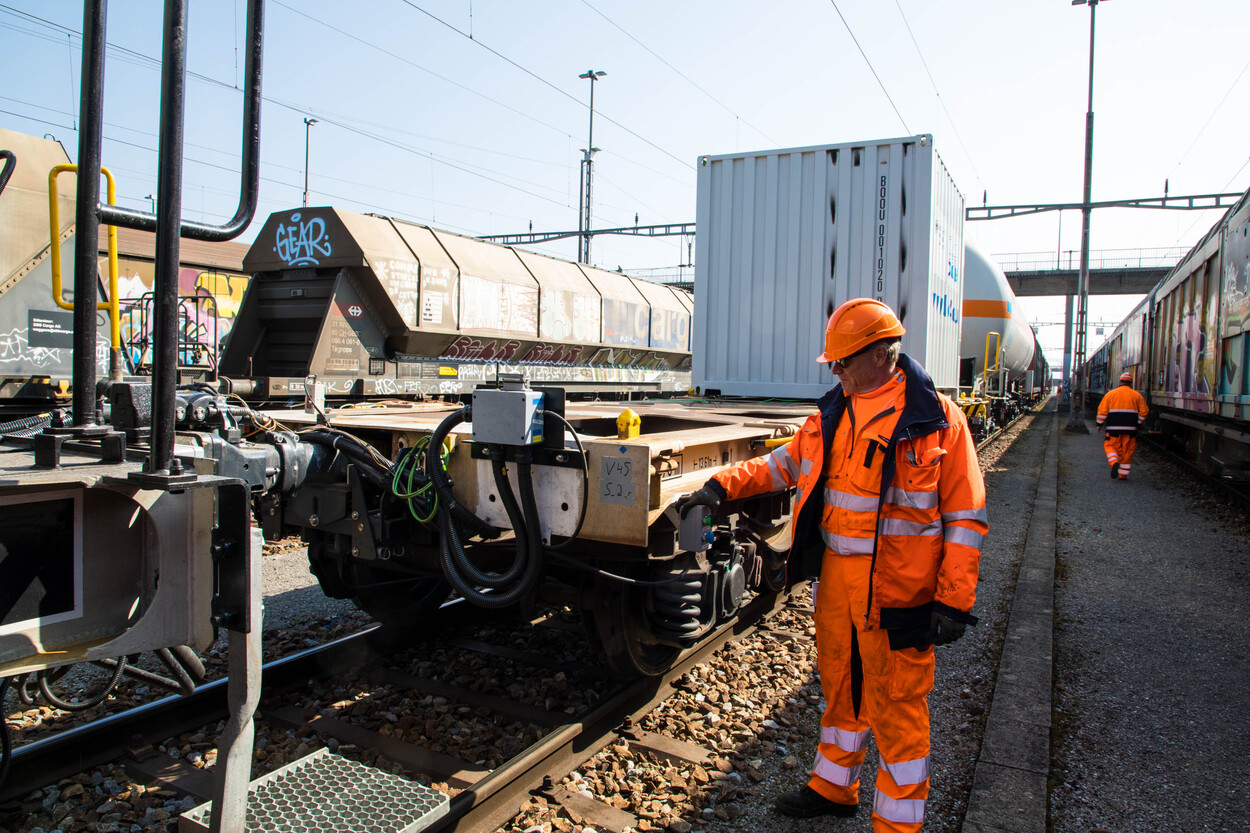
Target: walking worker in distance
[(1121, 410), (890, 514)]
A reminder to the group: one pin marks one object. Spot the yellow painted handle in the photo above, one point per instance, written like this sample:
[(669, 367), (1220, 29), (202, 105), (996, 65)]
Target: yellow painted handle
[(54, 221)]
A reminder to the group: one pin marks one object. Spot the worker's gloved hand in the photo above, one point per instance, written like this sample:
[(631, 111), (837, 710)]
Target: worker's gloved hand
[(703, 497), (943, 629)]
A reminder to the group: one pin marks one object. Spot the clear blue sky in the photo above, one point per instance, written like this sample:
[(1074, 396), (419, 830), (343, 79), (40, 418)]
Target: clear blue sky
[(482, 135)]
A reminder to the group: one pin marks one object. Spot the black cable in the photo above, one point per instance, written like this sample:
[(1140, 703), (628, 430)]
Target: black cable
[(352, 449), (438, 475), (585, 484), (49, 676)]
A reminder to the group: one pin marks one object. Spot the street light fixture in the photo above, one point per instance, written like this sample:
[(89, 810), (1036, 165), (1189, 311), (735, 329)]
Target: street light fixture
[(583, 201), (307, 124), (1076, 404), (153, 199)]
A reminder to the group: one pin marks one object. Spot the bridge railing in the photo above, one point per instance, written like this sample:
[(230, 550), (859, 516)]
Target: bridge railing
[(1159, 258)]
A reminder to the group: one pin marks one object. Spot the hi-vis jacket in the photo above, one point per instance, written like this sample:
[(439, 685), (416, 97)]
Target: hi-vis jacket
[(1122, 410), (929, 508)]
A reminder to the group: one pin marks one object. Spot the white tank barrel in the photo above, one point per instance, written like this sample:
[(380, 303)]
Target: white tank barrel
[(991, 307)]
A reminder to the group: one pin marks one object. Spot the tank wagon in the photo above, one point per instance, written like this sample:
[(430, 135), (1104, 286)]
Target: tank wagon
[(36, 362), (370, 306), (1001, 367), (1187, 345)]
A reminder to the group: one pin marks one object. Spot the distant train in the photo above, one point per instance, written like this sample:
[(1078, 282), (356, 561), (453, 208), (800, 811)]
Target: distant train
[(1187, 345), (1000, 360), (372, 306)]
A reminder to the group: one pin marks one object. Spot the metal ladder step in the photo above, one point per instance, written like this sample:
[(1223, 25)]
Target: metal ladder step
[(324, 793)]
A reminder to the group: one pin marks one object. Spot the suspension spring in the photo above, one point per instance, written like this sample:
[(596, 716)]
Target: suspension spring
[(678, 604)]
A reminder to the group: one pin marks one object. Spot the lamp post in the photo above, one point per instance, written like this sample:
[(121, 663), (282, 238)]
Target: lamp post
[(1076, 404), (308, 123), (153, 199), (583, 201)]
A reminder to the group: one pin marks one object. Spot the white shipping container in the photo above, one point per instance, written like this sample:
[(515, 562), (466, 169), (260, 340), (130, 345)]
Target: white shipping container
[(785, 236)]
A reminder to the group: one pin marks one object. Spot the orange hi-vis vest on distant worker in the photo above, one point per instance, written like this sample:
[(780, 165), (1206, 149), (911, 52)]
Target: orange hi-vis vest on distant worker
[(921, 519), (1122, 410)]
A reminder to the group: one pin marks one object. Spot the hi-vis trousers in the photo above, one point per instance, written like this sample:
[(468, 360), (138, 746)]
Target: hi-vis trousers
[(867, 688), (1120, 449)]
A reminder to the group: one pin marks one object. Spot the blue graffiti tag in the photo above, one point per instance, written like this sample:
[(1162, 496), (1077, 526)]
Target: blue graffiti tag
[(946, 307), (298, 245)]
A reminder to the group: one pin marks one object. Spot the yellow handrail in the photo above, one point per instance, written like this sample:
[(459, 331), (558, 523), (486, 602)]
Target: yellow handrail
[(54, 220), (985, 368)]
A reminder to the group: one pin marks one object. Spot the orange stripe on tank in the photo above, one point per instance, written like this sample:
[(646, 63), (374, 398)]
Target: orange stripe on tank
[(986, 309)]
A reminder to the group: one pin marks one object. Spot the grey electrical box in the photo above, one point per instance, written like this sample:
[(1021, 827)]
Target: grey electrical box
[(695, 533), (508, 415)]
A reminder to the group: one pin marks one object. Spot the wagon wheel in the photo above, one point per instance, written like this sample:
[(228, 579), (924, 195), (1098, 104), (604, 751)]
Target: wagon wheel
[(399, 600), (618, 622)]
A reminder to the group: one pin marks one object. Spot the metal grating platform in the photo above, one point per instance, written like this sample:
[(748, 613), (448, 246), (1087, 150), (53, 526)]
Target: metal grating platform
[(324, 792)]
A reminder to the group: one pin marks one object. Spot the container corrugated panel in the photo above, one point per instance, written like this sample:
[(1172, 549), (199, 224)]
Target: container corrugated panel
[(785, 236)]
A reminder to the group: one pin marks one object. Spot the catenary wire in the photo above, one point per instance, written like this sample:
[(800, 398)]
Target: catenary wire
[(544, 81), (938, 93), (870, 66), (690, 80), (1209, 120)]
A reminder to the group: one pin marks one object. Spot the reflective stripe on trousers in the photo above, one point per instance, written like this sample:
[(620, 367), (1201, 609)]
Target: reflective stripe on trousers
[(890, 705)]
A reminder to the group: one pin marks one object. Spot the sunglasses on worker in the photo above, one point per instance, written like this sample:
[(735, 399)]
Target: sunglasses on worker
[(844, 362)]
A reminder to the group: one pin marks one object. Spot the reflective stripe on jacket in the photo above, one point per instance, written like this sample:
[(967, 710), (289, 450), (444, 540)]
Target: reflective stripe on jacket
[(930, 512), (1122, 410)]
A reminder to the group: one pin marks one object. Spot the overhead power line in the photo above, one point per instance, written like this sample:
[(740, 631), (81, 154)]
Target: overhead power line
[(1208, 121), (343, 123), (373, 45), (870, 67), (690, 80), (542, 80), (938, 93)]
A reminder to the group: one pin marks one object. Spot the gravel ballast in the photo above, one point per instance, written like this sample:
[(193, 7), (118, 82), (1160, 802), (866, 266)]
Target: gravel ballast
[(1149, 698), (1152, 685)]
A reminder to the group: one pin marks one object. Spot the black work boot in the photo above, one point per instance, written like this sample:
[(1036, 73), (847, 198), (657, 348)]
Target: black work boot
[(806, 803), (1115, 471)]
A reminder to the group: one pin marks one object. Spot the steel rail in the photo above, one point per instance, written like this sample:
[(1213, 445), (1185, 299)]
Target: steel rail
[(484, 805), (50, 759), (498, 797)]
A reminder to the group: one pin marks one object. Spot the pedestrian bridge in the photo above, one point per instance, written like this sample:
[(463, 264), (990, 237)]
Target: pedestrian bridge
[(1111, 271)]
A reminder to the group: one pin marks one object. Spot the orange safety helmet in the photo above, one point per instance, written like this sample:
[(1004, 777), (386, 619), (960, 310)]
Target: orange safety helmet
[(1126, 377), (856, 324)]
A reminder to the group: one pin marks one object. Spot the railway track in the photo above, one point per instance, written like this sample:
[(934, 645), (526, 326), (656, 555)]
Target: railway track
[(484, 796)]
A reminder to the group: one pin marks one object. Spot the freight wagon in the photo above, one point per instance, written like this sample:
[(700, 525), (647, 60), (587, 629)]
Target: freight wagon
[(36, 360), (1187, 345)]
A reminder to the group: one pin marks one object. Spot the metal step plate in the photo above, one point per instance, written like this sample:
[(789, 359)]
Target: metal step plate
[(324, 792)]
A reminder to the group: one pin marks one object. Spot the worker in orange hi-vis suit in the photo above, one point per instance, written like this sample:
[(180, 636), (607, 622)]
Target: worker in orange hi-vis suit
[(890, 512), (1120, 412)]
